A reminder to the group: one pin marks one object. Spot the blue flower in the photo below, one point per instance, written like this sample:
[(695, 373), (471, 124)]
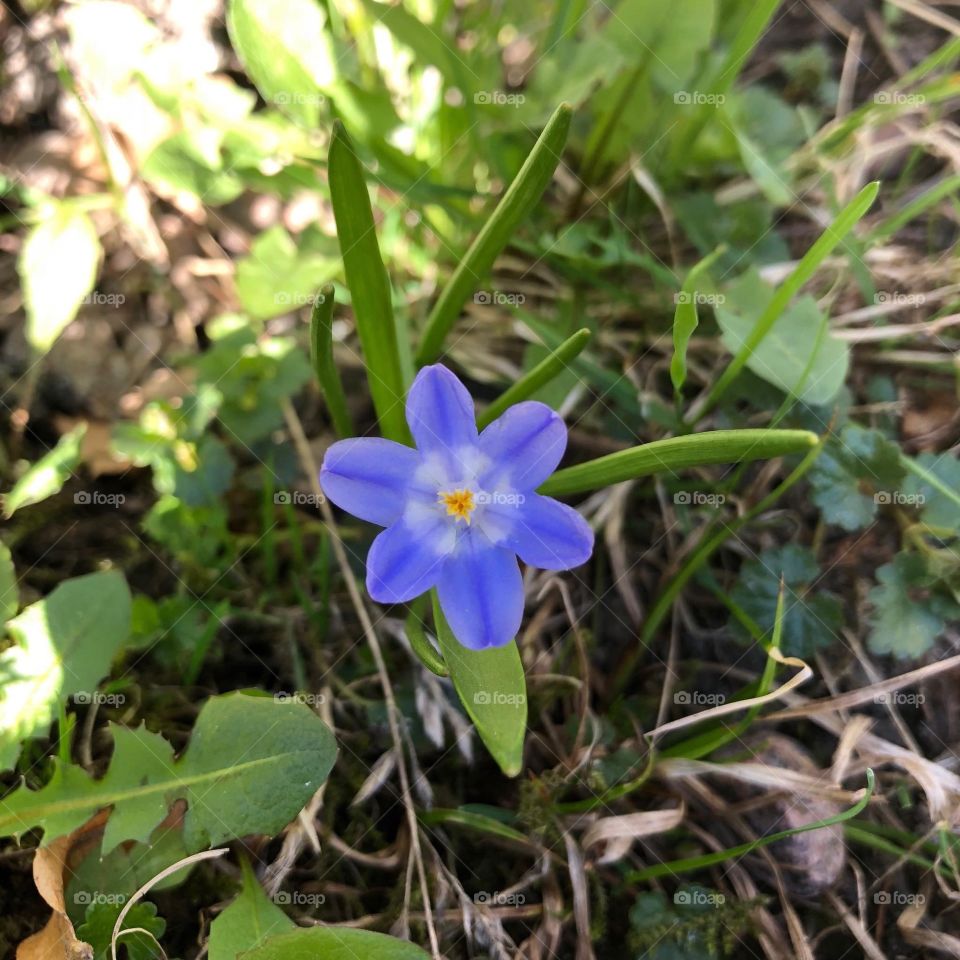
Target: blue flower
[(461, 507)]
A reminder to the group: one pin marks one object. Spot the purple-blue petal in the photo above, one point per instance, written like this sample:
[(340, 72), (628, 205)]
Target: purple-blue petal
[(406, 560), (369, 477), (547, 533), (440, 413), (481, 593), (524, 446)]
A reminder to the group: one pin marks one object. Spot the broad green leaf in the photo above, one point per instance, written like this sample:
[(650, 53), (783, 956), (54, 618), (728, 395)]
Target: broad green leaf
[(825, 244), (251, 765), (58, 268), (368, 283), (678, 453), (280, 276), (934, 485), (335, 943), (521, 197), (9, 593), (48, 475), (286, 51), (685, 318), (63, 646), (907, 617), (492, 689), (247, 922), (555, 363), (797, 354), (190, 162), (857, 471), (811, 619)]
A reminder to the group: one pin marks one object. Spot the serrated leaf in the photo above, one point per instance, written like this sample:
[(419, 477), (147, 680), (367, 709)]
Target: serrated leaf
[(63, 646), (97, 929), (247, 922), (48, 475), (795, 355), (492, 689), (811, 620), (251, 765), (857, 470), (938, 508), (907, 617), (335, 943), (58, 268)]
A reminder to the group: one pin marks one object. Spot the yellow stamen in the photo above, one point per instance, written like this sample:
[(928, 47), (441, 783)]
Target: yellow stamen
[(459, 503)]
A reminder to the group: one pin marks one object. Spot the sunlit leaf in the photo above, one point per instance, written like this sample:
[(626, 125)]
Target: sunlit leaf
[(48, 475)]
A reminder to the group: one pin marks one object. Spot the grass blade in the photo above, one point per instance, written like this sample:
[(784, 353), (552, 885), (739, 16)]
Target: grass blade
[(534, 379), (848, 217), (522, 195), (677, 453), (321, 354), (685, 319), (368, 283)]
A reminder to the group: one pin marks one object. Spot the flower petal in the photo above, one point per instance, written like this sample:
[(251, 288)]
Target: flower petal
[(547, 533), (369, 477), (440, 414), (524, 446), (481, 593), (407, 559)]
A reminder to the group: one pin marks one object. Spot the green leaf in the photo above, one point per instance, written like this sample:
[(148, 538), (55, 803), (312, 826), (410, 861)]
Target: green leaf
[(63, 645), (492, 689), (555, 363), (101, 917), (9, 593), (523, 194), (368, 283), (58, 268), (857, 470), (251, 765), (678, 453), (247, 922), (428, 655), (811, 620), (907, 617), (189, 163), (825, 244), (935, 477), (797, 354), (287, 53), (324, 365), (685, 318), (47, 476), (335, 943)]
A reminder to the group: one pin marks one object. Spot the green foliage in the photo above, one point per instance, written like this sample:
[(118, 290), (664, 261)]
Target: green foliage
[(47, 476), (936, 488), (145, 927), (812, 617), (63, 646), (335, 943)]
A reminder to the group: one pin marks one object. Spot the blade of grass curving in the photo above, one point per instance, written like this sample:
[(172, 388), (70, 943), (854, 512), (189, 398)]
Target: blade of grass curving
[(426, 653), (685, 318), (845, 221), (555, 363), (692, 864), (677, 453), (910, 211), (321, 353), (368, 283), (520, 198)]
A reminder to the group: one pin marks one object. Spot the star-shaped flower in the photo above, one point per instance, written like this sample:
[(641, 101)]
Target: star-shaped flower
[(461, 507)]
